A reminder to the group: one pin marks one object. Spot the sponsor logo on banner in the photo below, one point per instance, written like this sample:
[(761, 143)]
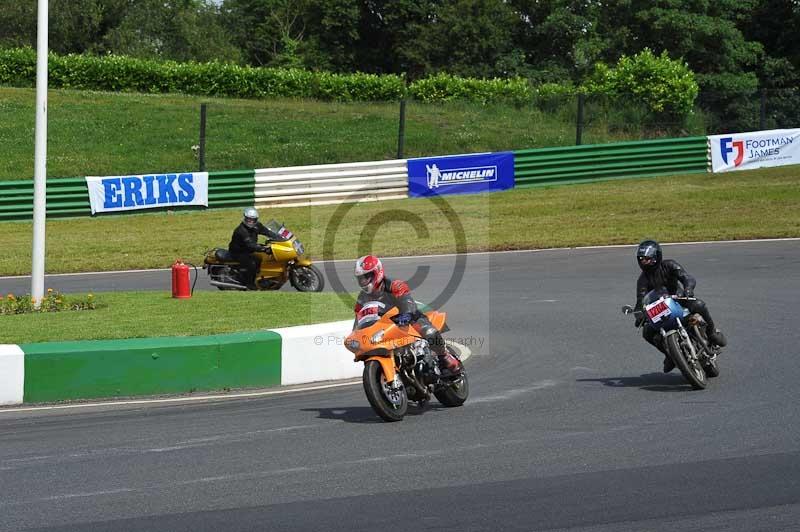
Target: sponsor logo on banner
[(460, 174), (728, 145), (127, 193), (745, 151), (437, 178)]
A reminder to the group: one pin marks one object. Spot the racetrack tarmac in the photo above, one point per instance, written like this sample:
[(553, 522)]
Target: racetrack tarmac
[(570, 424)]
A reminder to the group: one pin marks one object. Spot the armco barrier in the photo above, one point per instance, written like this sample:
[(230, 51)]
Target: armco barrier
[(70, 197), (596, 162), (332, 183)]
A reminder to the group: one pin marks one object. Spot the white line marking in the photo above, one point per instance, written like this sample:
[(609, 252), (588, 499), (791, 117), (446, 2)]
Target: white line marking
[(414, 257)]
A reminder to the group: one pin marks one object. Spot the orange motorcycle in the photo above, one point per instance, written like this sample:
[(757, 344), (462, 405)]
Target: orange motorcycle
[(399, 366)]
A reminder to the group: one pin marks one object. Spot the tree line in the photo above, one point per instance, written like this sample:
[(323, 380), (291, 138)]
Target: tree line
[(734, 47)]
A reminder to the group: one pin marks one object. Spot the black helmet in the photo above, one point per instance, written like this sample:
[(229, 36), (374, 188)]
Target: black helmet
[(648, 254)]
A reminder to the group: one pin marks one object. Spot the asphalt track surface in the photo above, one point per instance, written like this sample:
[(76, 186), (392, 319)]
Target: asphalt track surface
[(570, 424)]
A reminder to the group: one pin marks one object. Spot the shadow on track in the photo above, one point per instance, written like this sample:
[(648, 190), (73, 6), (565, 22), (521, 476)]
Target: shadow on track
[(365, 414), (652, 382)]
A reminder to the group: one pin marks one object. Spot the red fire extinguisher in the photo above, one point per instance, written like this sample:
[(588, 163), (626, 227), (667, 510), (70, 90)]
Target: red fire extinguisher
[(180, 280)]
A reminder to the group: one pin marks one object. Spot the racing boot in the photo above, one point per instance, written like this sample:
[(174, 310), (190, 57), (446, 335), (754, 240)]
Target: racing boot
[(716, 337), (449, 365)]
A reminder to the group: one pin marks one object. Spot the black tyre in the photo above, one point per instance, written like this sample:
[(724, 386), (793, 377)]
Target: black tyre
[(711, 369), (391, 405), (455, 393), (306, 278), (709, 365), (693, 373)]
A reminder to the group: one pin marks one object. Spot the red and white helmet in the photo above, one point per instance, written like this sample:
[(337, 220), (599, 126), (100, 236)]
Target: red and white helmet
[(369, 274)]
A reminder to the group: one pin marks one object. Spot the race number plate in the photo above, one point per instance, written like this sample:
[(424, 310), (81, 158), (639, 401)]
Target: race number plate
[(656, 311)]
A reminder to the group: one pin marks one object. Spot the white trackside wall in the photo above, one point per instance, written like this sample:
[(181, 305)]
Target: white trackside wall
[(12, 374), (312, 353)]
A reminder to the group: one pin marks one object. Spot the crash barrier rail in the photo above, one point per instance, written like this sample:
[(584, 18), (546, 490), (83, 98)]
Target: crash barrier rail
[(598, 162), (331, 183), (382, 180), (70, 196)]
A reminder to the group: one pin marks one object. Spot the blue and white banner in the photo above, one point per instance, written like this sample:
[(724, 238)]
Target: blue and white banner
[(130, 193), (758, 149), (461, 174)]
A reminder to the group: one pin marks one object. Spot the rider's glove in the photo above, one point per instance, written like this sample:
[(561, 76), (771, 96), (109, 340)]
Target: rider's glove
[(638, 321), (403, 319), (688, 293)]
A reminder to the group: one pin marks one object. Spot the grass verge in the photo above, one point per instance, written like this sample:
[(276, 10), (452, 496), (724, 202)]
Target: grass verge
[(148, 314), (735, 205), (100, 133)]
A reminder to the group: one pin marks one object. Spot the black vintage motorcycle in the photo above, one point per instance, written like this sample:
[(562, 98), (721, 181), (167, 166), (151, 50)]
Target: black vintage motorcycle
[(683, 336)]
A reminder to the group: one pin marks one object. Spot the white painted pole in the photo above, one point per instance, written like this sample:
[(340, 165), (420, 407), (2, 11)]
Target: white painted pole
[(40, 158)]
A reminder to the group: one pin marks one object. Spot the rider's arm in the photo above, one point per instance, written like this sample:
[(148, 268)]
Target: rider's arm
[(251, 244), (642, 287), (677, 271), (402, 295)]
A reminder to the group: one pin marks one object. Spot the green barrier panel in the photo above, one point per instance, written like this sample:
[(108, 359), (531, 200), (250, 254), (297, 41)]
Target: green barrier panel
[(57, 371), (599, 162), (70, 196)]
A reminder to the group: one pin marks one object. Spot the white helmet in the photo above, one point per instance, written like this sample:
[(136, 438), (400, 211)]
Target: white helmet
[(250, 217)]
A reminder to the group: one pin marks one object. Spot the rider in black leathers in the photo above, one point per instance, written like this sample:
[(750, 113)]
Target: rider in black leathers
[(658, 273), (244, 244)]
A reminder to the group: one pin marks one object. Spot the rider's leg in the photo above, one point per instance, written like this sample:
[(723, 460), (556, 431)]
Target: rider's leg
[(714, 335), (448, 363), (654, 338)]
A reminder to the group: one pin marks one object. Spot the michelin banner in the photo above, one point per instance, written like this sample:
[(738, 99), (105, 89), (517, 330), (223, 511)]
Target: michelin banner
[(759, 149), (130, 193), (460, 174)]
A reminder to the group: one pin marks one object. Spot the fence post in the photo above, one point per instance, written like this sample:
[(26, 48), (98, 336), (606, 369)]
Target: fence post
[(579, 128), (762, 115), (202, 154), (401, 134)]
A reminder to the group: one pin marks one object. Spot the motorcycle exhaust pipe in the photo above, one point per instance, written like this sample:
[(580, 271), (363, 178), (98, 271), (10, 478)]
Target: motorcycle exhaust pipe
[(227, 285)]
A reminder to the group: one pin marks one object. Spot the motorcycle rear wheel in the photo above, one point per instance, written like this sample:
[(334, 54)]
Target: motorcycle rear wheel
[(306, 278), (389, 405), (709, 364), (693, 373), (456, 393)]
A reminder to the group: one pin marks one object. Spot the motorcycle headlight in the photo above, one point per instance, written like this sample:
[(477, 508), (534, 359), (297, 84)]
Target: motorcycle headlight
[(378, 337), (353, 345), (298, 247)]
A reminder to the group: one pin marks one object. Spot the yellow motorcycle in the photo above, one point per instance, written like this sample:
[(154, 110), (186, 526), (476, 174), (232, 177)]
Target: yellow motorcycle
[(283, 261)]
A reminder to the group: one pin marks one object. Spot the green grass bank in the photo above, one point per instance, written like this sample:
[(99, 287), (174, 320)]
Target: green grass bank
[(104, 133), (154, 314)]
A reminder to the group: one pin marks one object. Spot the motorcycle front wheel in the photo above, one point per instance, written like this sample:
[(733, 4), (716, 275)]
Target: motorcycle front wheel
[(306, 278), (692, 372), (388, 403)]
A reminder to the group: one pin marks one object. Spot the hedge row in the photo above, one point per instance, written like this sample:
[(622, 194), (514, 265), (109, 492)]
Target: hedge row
[(120, 73)]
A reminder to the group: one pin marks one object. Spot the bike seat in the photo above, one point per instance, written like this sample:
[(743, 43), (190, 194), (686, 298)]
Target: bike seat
[(224, 255)]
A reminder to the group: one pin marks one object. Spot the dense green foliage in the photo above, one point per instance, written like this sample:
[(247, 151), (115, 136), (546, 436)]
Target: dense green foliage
[(736, 48), (665, 86)]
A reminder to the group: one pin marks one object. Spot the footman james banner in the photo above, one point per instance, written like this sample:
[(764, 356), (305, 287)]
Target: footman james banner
[(758, 149), (128, 193), (460, 174)]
